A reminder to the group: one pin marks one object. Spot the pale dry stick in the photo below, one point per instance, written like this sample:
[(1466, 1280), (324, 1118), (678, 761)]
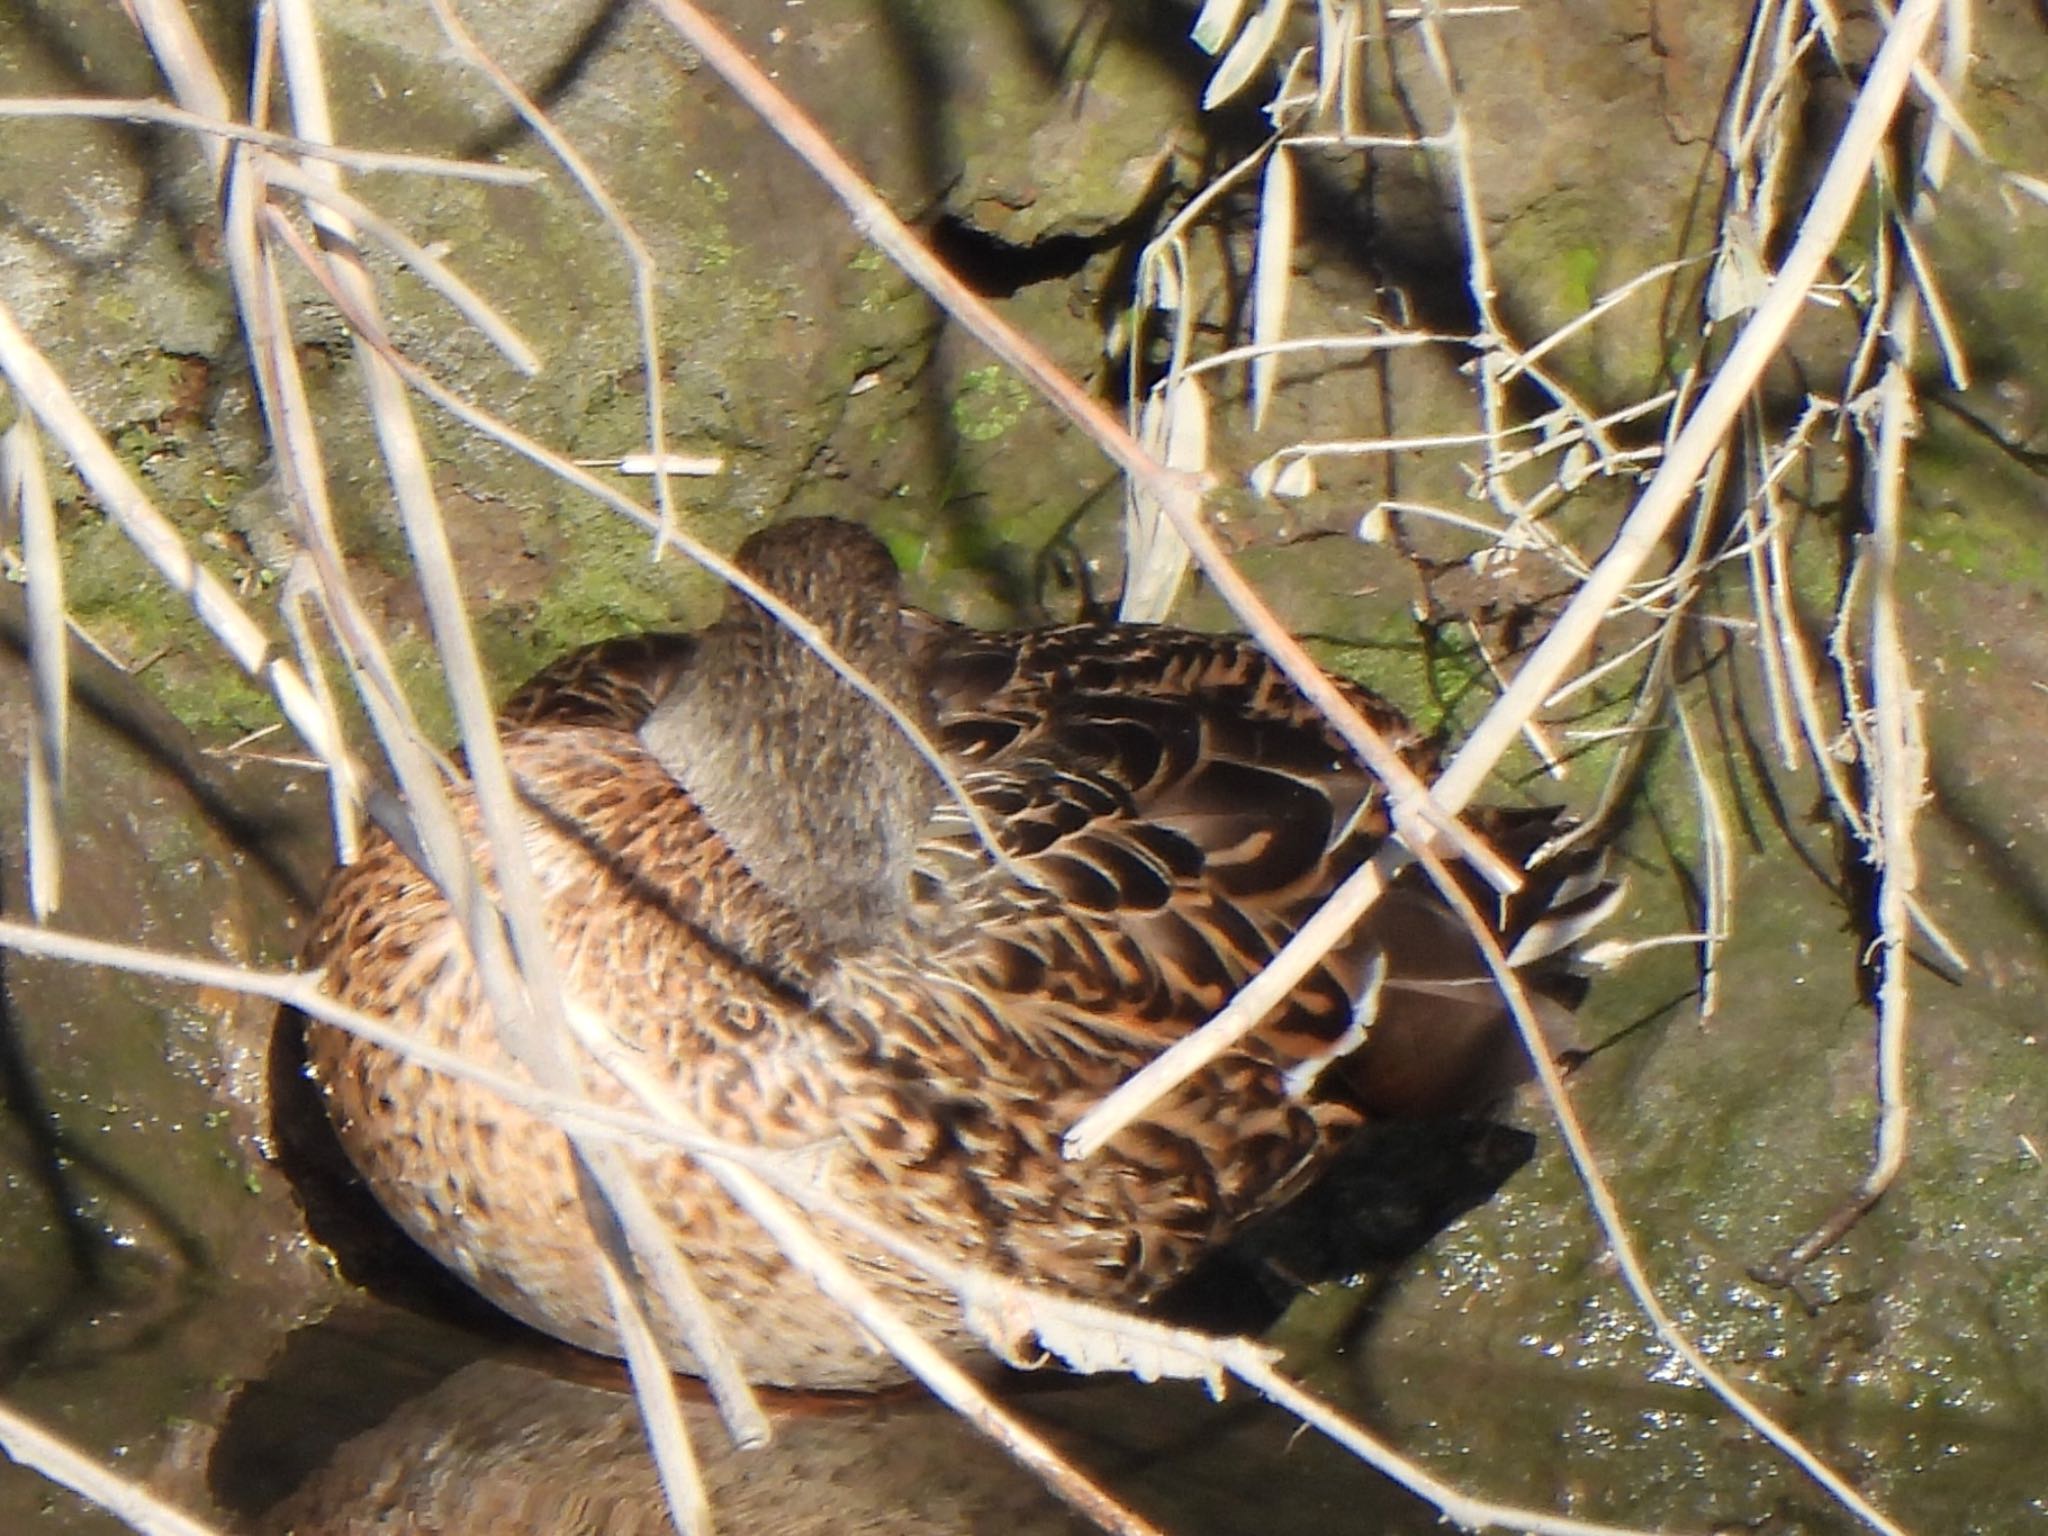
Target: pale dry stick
[(1388, 341), (1572, 471), (163, 114), (1272, 277), (412, 487), (43, 392), (301, 471), (1355, 447), (456, 877), (1751, 128), (654, 1251), (1463, 521), (1243, 57), (430, 269), (1654, 687), (1755, 554), (27, 491), (168, 31), (1400, 13), (64, 1464), (1949, 127), (1717, 852), (1607, 1215), (1870, 342), (1777, 117), (638, 259), (1820, 741), (1758, 510), (682, 1483), (1365, 141), (1898, 771), (302, 579), (1609, 301), (1174, 425), (1593, 674), (1540, 744), (1641, 535), (1177, 494), (1933, 306), (1337, 39)]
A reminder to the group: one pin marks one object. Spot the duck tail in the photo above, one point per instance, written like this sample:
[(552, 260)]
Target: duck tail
[(1437, 1035)]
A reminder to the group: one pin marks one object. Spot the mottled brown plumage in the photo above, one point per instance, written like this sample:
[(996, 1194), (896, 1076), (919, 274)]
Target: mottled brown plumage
[(753, 877)]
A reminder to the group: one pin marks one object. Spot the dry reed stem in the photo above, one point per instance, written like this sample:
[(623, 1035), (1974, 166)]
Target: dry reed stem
[(170, 34), (430, 269), (164, 115), (125, 1499), (25, 489)]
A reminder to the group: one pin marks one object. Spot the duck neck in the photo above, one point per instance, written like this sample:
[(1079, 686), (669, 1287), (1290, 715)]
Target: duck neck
[(811, 784)]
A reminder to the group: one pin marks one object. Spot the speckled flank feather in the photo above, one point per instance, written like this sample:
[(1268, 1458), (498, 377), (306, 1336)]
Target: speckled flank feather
[(926, 1024)]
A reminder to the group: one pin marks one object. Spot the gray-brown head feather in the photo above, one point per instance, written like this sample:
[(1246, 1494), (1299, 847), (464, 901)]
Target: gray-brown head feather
[(814, 788)]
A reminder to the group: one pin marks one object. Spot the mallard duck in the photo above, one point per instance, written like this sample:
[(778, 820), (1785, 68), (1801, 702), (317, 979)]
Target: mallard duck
[(759, 884)]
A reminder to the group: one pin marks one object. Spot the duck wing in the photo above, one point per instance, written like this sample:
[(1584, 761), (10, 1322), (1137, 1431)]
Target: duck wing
[(613, 683), (1178, 810)]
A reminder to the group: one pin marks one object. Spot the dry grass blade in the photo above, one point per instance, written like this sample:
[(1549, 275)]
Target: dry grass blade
[(1253, 47), (1717, 896), (26, 489), (1901, 769), (163, 114), (668, 1438), (1175, 425), (1272, 276), (129, 1502), (532, 1018), (1218, 19)]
